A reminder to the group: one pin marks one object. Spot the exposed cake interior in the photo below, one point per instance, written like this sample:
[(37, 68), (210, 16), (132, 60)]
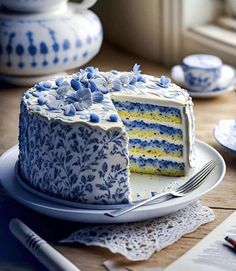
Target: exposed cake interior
[(157, 135)]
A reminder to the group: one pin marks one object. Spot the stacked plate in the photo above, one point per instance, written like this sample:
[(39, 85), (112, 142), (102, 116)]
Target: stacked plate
[(225, 134)]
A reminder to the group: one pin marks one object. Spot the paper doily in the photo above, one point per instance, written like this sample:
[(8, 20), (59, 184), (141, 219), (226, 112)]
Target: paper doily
[(138, 241)]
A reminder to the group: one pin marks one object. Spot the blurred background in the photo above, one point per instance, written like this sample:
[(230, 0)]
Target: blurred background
[(164, 31)]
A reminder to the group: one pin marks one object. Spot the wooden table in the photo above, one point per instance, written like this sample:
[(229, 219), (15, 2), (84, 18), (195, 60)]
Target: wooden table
[(208, 112)]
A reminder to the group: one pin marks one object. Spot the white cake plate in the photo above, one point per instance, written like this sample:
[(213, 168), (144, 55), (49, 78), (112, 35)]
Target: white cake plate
[(92, 215), (225, 83), (225, 134)]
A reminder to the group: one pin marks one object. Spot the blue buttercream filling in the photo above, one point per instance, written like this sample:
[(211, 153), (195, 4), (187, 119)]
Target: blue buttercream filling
[(143, 108), (168, 147), (158, 163)]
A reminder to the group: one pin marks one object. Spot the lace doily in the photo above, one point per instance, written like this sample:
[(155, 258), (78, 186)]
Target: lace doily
[(138, 241)]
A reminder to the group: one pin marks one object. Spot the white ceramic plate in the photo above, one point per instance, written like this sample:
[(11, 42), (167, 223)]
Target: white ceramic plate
[(225, 134), (226, 82), (53, 209), (153, 184)]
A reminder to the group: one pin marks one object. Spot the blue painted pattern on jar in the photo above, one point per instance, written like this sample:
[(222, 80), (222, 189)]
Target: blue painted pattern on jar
[(44, 44)]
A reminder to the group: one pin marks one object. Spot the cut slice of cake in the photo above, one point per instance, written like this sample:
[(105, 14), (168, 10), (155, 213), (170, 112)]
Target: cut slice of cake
[(82, 135)]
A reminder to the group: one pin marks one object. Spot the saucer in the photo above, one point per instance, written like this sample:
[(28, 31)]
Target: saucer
[(225, 83), (225, 134)]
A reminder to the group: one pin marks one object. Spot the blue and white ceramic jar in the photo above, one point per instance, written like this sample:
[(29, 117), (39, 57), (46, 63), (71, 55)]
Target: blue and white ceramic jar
[(33, 5), (47, 43), (201, 71)]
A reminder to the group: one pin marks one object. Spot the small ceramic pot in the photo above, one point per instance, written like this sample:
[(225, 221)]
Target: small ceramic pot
[(201, 72), (43, 44)]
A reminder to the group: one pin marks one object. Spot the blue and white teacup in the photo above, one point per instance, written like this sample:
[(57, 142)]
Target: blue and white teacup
[(201, 71)]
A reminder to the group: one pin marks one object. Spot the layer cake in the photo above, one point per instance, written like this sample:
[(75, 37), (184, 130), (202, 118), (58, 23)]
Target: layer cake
[(82, 135)]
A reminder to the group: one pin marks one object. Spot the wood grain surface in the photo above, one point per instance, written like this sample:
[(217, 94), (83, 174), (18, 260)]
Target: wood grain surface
[(208, 112)]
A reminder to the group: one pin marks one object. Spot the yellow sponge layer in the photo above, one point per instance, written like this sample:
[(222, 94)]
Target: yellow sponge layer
[(149, 116), (153, 152), (152, 134), (152, 170)]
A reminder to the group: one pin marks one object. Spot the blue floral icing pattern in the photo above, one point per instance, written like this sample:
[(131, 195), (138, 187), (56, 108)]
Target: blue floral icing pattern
[(78, 163)]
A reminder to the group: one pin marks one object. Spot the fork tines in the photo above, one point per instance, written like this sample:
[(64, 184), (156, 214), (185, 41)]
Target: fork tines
[(197, 179)]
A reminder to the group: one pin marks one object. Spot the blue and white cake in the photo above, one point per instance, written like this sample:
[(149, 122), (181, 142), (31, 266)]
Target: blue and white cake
[(82, 135)]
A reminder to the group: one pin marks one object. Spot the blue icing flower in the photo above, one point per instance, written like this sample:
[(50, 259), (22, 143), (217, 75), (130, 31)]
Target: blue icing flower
[(37, 93), (114, 118), (81, 100), (140, 78), (164, 82), (124, 79), (136, 69), (128, 81), (105, 83), (63, 88), (117, 85), (94, 118), (137, 76), (97, 97), (92, 85), (59, 81), (84, 76), (133, 81), (44, 85), (75, 84), (69, 110), (27, 95), (91, 72), (54, 105), (42, 100), (81, 77), (110, 82)]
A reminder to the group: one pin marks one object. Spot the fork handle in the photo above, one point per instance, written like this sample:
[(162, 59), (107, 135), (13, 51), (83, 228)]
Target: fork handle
[(158, 198)]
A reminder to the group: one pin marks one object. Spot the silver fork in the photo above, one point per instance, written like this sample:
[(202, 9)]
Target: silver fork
[(181, 191)]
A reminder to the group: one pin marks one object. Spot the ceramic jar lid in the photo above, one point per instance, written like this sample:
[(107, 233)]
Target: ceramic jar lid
[(38, 6)]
